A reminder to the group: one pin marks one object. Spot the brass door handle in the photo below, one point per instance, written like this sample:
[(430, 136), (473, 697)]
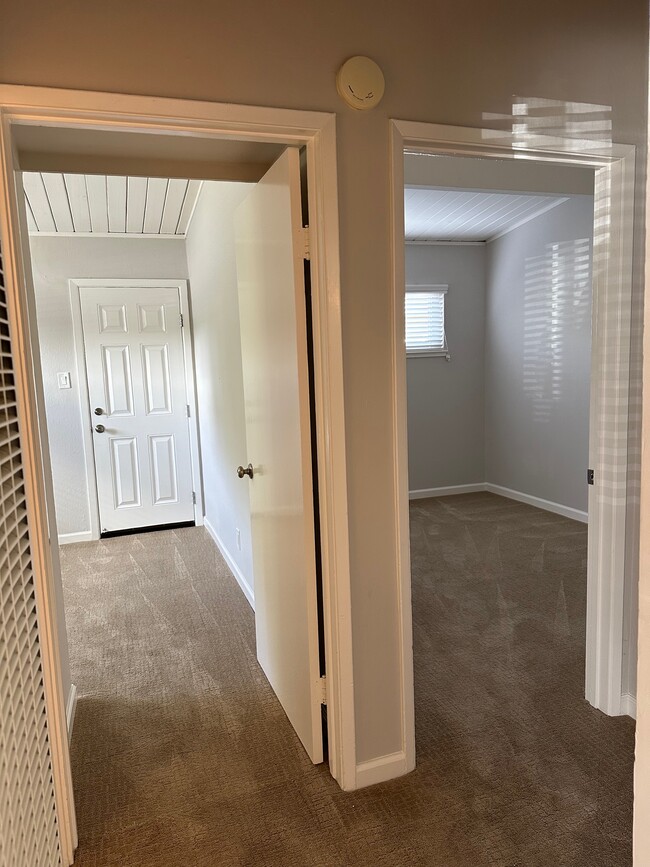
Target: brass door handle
[(241, 472), (100, 428)]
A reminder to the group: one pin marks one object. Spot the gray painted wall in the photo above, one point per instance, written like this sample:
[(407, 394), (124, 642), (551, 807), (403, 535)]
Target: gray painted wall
[(538, 355), (210, 249), (55, 260), (446, 398), (512, 406), (286, 55)]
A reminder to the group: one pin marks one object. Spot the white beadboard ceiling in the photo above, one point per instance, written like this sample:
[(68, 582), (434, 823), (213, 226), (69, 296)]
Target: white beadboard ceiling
[(462, 215), (101, 204)]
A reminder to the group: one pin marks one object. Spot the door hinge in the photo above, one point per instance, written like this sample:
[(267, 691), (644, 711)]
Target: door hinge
[(180, 316), (323, 690), (306, 244), (590, 477), (187, 407), (194, 497)]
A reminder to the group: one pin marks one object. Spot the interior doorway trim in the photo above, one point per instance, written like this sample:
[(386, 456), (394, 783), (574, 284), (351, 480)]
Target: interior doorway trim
[(75, 287), (610, 364), (141, 115)]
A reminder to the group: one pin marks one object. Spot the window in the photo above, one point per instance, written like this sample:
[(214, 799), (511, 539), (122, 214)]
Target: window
[(425, 320)]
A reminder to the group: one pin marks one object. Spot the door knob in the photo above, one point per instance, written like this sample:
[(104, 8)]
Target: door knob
[(98, 410), (100, 428), (241, 472)]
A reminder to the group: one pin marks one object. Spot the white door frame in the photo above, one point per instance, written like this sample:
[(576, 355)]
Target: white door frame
[(75, 287), (608, 442), (141, 115)]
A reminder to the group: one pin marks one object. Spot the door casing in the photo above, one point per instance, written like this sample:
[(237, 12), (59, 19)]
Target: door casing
[(608, 454), (140, 115), (76, 285)]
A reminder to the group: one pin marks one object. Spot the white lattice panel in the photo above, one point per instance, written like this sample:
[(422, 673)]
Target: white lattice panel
[(28, 824)]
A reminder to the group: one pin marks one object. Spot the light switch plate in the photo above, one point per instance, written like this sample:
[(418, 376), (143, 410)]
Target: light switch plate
[(64, 380)]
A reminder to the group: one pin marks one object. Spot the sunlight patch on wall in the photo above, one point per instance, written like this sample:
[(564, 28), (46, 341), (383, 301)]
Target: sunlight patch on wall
[(557, 292), (537, 123)]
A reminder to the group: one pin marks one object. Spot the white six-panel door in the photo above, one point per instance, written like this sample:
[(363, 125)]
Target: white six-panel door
[(136, 376)]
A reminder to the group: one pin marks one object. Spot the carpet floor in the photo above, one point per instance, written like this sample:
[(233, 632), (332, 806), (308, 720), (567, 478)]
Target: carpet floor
[(183, 756)]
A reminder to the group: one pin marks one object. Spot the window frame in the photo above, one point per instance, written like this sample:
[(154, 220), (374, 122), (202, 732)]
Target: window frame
[(412, 289)]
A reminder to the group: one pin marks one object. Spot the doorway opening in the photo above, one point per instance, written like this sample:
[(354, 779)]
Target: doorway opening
[(67, 154), (498, 342), (492, 254), (163, 328)]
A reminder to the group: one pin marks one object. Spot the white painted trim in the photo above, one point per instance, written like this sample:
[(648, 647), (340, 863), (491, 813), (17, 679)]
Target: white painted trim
[(92, 496), (382, 769), (538, 502), (400, 451), (238, 575), (449, 491), (628, 705), (612, 292), (71, 709), (431, 243), (316, 131), (38, 480), (132, 235), (73, 538), (529, 499), (192, 398)]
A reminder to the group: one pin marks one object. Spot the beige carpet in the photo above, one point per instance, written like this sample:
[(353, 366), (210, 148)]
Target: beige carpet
[(182, 756)]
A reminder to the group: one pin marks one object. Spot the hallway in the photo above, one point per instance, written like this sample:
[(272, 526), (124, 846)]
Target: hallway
[(182, 754)]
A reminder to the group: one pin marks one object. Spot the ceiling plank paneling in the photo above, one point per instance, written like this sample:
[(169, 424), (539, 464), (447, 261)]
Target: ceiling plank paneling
[(193, 190), (173, 205), (116, 189), (97, 202), (58, 196), (156, 192), (39, 202), (135, 202), (468, 215), (31, 222), (100, 204), (78, 198)]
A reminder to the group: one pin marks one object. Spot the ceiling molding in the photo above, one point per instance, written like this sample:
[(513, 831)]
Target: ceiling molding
[(543, 210), (133, 236)]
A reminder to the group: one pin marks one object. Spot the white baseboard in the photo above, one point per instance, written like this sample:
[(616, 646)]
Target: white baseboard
[(628, 705), (71, 538), (234, 568), (425, 493), (382, 769), (538, 502), (70, 709)]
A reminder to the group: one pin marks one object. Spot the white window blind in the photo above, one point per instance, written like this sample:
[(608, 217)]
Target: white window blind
[(425, 320)]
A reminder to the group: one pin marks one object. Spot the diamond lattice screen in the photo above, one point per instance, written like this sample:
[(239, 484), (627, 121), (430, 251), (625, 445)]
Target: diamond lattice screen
[(28, 825)]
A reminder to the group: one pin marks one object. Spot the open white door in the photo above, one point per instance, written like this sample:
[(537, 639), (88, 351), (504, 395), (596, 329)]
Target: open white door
[(270, 273)]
